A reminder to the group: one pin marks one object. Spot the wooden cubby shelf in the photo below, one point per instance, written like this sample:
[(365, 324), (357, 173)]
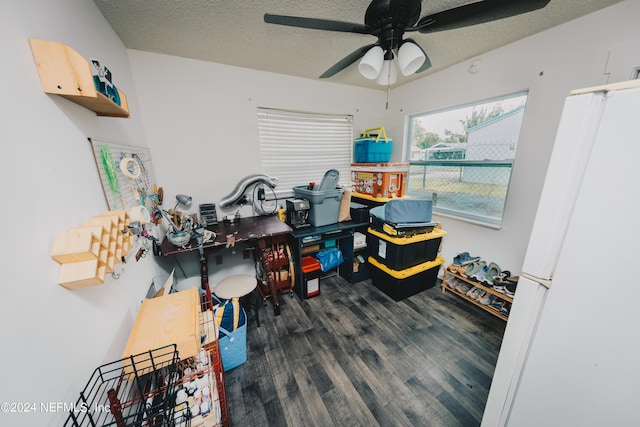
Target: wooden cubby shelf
[(88, 252), (65, 72)]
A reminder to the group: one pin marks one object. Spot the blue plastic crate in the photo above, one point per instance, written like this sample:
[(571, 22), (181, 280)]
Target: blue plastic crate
[(368, 150)]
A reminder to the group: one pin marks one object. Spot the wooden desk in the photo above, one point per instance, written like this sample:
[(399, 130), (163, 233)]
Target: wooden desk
[(247, 230)]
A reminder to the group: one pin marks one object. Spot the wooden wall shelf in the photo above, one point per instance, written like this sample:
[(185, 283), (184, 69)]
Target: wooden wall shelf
[(65, 72)]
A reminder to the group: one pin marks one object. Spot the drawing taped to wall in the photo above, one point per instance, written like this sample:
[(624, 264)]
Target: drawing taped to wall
[(126, 174)]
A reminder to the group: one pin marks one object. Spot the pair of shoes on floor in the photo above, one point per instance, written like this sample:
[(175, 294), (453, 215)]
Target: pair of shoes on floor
[(462, 287), (500, 305), (486, 274), (493, 272), (452, 282), (476, 293), (485, 298), (506, 284), (474, 268), (464, 258), (457, 269)]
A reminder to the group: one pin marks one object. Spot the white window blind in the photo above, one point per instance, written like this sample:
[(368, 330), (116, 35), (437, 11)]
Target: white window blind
[(298, 148)]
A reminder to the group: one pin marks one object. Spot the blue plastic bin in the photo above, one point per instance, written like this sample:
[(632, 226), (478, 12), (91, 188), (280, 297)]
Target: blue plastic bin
[(368, 150), (233, 345)]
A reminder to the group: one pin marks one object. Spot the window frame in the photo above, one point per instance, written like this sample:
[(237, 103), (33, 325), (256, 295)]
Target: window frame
[(472, 217)]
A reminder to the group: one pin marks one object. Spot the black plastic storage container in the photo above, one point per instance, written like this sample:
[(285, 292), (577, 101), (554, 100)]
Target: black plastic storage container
[(399, 253), (400, 284)]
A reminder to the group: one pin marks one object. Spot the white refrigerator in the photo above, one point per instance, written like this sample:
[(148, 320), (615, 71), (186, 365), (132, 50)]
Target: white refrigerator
[(570, 355)]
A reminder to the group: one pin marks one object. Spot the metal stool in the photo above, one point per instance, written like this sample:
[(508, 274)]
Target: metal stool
[(241, 286)]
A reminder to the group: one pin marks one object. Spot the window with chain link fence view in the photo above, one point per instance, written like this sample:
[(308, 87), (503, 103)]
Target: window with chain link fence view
[(462, 157)]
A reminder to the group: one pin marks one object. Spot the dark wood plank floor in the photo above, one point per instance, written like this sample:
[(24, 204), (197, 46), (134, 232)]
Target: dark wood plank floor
[(354, 357)]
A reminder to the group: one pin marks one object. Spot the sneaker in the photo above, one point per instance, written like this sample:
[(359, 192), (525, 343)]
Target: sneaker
[(497, 303), (506, 307), (502, 277), (452, 282), (484, 298), (474, 293), (480, 275), (463, 287), (510, 289), (500, 288), (464, 258)]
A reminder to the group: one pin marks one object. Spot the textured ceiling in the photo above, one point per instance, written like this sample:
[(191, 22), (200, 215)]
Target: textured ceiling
[(234, 33)]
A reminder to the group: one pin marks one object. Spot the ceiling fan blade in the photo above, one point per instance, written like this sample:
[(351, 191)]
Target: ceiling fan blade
[(427, 62), (316, 24), (346, 61), (476, 13)]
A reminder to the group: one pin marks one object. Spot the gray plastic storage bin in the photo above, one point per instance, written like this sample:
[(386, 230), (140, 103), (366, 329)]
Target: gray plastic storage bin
[(324, 204)]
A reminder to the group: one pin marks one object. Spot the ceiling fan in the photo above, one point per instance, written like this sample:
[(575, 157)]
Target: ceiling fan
[(388, 20)]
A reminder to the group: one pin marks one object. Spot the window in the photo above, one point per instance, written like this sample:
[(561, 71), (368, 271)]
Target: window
[(298, 148), (461, 158)]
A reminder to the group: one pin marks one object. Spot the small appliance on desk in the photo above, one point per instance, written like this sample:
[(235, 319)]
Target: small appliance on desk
[(298, 213)]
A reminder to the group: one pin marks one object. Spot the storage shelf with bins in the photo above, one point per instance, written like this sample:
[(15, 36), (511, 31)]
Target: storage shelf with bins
[(360, 267), (65, 72), (448, 274), (88, 252)]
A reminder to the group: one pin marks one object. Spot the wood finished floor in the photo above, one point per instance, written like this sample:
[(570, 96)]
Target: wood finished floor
[(354, 357)]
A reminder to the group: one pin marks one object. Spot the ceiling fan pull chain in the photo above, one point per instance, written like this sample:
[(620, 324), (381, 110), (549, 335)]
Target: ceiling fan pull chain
[(388, 92)]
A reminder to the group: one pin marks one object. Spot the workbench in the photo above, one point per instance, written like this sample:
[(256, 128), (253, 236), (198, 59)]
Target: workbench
[(256, 231)]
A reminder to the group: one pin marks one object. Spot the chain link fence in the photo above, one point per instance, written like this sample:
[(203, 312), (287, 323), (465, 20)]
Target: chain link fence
[(474, 187)]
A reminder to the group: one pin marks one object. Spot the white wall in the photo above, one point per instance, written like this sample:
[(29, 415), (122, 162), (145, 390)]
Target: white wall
[(53, 338), (548, 65), (201, 123)]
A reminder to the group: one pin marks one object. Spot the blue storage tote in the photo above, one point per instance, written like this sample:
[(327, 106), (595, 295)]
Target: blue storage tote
[(233, 346), (232, 333), (372, 148)]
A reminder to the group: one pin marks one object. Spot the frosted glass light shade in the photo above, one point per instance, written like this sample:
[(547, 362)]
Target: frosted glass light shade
[(388, 74), (371, 63), (410, 58)]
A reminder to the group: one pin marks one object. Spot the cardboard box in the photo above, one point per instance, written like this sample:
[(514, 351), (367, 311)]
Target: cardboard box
[(169, 319)]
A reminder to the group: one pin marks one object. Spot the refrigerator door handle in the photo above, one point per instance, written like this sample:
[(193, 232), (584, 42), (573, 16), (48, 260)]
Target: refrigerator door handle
[(544, 282)]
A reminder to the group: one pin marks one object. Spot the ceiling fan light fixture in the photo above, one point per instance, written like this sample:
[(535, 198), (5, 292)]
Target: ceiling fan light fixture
[(371, 63), (388, 75), (410, 58)]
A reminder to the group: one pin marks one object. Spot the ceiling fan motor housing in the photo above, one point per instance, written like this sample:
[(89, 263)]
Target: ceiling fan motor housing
[(388, 19)]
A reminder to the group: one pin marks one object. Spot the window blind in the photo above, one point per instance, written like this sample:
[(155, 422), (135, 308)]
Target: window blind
[(298, 147)]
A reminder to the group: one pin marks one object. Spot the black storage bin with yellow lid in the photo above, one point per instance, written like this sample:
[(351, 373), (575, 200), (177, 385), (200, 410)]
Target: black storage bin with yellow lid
[(399, 253), (401, 284)]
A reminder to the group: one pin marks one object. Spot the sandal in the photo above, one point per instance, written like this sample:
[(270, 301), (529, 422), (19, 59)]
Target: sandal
[(474, 267), (493, 272), (464, 258)]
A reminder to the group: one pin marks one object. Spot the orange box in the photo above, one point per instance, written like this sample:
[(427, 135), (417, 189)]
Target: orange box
[(380, 180)]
